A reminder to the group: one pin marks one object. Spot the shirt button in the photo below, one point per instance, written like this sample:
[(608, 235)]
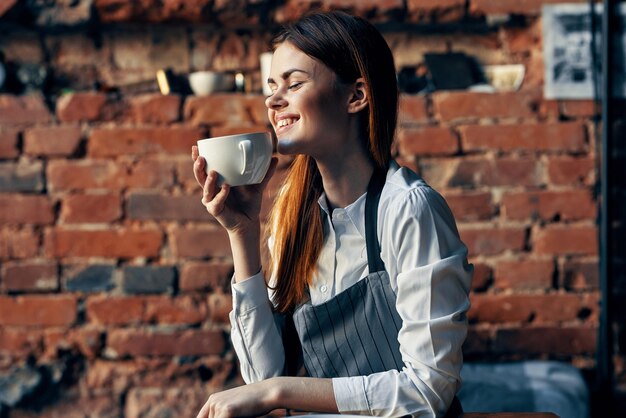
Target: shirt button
[(323, 288)]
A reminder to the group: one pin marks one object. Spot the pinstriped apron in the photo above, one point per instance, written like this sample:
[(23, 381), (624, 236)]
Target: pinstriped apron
[(355, 333)]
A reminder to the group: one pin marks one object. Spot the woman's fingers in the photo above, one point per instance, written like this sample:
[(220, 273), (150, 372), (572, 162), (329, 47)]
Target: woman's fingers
[(199, 170), (209, 188), (212, 198)]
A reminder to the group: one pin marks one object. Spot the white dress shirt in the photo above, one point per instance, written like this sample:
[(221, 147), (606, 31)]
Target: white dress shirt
[(428, 270)]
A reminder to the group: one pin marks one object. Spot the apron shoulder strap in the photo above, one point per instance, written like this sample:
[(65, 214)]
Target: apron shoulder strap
[(374, 190)]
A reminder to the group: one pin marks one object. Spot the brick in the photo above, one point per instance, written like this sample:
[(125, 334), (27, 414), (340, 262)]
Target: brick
[(174, 310), (471, 206), (572, 171), (142, 342), (115, 310), (436, 171), (99, 174), (473, 172), (137, 53), (23, 46), (200, 242), (71, 405), (412, 109), (492, 241), (579, 108), (482, 277), (120, 375), (18, 243), (31, 276), (477, 343), (148, 279), (88, 278), (549, 205), (118, 243), (549, 110), (450, 106), (71, 52), (20, 342), (522, 7), (26, 209), (523, 38), (52, 141), (8, 143), (161, 206), (23, 110), (565, 240), (38, 310), (220, 305), (86, 341), (524, 274), (156, 108), (546, 340), (580, 275), (21, 177), (226, 109), (561, 137), (165, 402), (91, 208), (550, 308), (199, 276), (427, 140), (184, 174), (114, 142), (428, 5), (80, 107)]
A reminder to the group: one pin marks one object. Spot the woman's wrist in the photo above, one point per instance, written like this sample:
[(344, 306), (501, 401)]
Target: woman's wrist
[(275, 393)]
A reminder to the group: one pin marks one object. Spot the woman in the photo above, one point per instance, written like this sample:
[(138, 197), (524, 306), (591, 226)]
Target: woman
[(367, 269)]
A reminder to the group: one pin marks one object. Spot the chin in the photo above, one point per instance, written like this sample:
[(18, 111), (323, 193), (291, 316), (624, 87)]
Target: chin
[(287, 146)]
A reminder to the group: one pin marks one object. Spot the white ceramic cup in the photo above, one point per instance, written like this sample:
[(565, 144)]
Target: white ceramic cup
[(203, 83), (238, 159)]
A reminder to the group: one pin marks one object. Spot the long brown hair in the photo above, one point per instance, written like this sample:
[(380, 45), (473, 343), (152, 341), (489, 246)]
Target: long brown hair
[(352, 48)]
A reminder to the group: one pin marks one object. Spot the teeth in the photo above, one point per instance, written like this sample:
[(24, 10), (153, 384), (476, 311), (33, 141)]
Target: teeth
[(285, 122)]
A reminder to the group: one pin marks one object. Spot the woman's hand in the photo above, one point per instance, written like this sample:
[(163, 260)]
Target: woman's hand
[(254, 399), (234, 208)]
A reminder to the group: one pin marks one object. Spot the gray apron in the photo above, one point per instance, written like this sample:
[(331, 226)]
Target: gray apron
[(356, 332)]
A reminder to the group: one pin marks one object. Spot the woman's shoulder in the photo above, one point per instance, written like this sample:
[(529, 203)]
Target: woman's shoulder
[(406, 191)]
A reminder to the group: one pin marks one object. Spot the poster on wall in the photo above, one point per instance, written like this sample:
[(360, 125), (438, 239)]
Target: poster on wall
[(568, 54)]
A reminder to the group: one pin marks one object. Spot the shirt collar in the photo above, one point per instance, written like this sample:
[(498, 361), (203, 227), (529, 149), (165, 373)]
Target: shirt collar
[(356, 210)]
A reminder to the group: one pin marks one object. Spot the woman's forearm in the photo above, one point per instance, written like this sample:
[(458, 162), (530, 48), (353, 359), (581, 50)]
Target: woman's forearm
[(304, 394), (246, 249)]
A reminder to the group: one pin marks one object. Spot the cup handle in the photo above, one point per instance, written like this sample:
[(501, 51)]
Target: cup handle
[(246, 152)]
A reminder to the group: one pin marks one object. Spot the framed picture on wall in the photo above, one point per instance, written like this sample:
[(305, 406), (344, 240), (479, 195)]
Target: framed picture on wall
[(568, 54)]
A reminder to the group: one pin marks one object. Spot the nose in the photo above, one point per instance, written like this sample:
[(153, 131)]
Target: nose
[(276, 100)]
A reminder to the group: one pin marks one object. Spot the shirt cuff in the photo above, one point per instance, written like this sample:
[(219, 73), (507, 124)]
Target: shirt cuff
[(350, 395), (249, 293)]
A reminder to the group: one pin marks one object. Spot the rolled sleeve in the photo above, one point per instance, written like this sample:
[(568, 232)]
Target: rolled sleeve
[(254, 333)]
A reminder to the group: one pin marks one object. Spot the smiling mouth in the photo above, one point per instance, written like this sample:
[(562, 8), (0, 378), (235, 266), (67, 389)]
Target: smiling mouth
[(284, 124)]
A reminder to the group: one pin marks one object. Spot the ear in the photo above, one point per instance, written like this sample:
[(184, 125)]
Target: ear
[(358, 99)]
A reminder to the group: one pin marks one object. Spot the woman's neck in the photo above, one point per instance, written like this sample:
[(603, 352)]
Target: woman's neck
[(345, 179)]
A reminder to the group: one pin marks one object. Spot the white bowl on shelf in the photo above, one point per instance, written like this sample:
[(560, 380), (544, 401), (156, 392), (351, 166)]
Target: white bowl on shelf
[(203, 83)]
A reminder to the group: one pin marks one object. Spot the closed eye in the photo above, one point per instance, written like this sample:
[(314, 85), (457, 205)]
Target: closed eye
[(295, 85)]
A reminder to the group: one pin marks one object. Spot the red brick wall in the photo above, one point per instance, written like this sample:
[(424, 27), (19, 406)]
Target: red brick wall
[(114, 280)]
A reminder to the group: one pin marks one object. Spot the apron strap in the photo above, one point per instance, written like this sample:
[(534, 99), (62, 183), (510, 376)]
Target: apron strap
[(374, 190)]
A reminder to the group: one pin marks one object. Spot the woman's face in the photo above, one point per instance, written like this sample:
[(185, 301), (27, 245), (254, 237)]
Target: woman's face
[(308, 108)]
